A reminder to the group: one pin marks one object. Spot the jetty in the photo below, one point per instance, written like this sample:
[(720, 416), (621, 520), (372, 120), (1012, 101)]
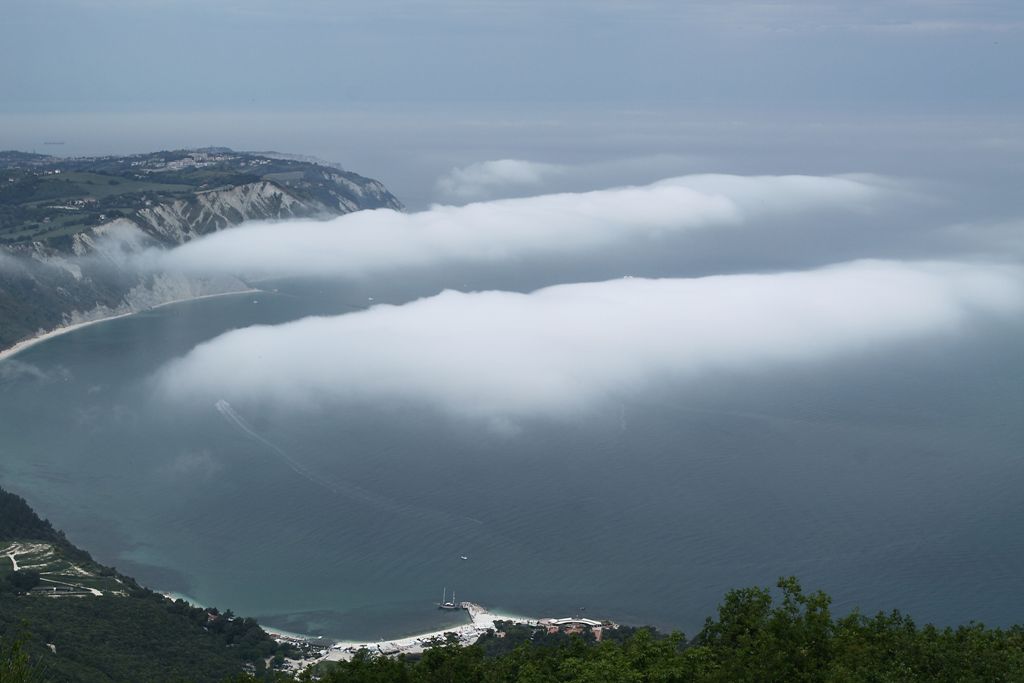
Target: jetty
[(481, 621)]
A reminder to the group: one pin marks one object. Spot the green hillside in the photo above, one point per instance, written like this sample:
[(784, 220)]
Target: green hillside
[(77, 620), (46, 199)]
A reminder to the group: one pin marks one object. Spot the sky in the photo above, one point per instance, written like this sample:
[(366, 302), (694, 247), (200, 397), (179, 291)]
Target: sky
[(632, 91), (948, 56)]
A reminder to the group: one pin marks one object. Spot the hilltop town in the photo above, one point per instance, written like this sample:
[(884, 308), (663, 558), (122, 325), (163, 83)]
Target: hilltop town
[(47, 199)]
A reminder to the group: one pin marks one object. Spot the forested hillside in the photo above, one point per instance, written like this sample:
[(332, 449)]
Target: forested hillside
[(18, 521), (112, 629)]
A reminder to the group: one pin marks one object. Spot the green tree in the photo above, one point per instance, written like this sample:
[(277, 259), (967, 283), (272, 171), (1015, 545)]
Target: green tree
[(16, 666), (24, 580)]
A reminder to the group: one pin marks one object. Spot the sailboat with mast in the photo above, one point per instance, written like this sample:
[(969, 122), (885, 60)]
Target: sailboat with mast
[(446, 603)]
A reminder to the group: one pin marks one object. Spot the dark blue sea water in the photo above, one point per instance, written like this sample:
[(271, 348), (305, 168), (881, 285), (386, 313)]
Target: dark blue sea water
[(890, 480)]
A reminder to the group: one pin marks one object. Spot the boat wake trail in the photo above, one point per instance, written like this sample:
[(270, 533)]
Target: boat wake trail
[(225, 409), (349, 490)]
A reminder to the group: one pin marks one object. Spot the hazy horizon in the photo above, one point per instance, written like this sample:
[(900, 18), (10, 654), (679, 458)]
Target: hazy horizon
[(619, 92)]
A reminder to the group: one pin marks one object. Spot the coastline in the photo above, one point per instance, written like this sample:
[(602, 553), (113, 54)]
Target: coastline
[(56, 332), (328, 649), (481, 621)]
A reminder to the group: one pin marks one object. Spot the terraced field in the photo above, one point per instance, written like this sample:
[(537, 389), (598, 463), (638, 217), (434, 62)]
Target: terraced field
[(59, 576)]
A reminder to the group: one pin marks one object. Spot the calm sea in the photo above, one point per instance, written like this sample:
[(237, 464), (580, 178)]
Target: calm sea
[(892, 480)]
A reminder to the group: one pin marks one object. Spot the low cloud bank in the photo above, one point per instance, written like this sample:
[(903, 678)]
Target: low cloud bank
[(569, 223), (1003, 240), (504, 178), (562, 350), (479, 180)]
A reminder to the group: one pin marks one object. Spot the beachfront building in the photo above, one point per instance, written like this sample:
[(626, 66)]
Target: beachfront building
[(572, 625)]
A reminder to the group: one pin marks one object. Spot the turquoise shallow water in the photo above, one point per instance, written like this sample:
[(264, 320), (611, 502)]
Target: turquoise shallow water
[(890, 480)]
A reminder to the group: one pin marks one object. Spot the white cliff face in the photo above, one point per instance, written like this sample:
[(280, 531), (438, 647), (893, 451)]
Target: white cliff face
[(354, 188), (117, 241), (104, 254), (111, 244), (372, 190), (182, 220), (97, 278), (100, 255), (157, 290), (93, 275)]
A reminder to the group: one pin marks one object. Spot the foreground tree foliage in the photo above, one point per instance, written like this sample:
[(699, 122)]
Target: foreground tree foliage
[(16, 666), (758, 636)]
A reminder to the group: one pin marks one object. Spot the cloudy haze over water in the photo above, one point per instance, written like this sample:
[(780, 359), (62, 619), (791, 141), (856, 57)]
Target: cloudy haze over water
[(563, 350), (567, 224), (559, 351)]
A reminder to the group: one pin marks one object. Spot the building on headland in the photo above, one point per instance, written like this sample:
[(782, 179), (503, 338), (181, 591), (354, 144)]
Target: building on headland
[(572, 625)]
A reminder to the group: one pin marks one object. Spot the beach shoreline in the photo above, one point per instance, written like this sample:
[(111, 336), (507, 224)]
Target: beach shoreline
[(24, 344), (482, 621), (329, 649)]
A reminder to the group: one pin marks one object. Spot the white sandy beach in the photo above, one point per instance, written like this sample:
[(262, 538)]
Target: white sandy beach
[(40, 338), (481, 620)]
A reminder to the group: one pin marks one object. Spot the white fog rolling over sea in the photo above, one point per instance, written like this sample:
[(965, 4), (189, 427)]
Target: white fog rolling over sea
[(558, 351), (484, 178), (1003, 240), (567, 224), (564, 349), (686, 296)]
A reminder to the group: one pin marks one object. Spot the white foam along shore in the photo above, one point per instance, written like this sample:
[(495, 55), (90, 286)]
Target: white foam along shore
[(44, 336)]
